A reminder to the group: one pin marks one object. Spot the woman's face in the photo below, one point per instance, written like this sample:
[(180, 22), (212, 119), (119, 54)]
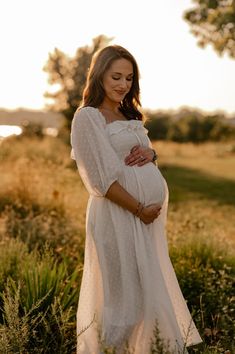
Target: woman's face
[(117, 80)]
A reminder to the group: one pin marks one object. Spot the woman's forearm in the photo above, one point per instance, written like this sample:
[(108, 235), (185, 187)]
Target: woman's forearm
[(117, 194)]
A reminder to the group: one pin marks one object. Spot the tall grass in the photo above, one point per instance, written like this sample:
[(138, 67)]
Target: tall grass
[(42, 222), (42, 198), (38, 300), (206, 273)]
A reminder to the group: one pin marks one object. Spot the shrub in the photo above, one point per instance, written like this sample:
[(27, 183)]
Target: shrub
[(158, 126), (187, 125), (38, 301), (30, 129), (206, 273)]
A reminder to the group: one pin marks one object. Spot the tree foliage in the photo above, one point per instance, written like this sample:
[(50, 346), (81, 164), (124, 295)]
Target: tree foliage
[(158, 124), (213, 22), (69, 76), (188, 125)]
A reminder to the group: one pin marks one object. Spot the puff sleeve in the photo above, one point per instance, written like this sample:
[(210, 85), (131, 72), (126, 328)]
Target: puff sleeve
[(97, 162)]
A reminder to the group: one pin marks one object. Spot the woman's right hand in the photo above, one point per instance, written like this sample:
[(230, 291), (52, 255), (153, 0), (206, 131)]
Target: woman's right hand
[(150, 213)]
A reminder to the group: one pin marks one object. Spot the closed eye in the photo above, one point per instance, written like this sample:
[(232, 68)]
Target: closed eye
[(118, 78)]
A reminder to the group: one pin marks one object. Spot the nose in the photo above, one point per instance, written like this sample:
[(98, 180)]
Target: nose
[(123, 83)]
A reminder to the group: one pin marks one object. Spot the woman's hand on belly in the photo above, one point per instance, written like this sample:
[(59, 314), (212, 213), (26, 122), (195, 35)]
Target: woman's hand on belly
[(139, 155), (150, 213)]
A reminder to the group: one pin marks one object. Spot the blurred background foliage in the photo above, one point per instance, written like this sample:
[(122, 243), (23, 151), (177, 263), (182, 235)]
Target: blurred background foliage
[(69, 76), (213, 22), (189, 125)]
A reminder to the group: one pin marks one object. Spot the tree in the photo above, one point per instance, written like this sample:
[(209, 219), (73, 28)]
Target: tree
[(213, 21), (69, 74), (157, 124)]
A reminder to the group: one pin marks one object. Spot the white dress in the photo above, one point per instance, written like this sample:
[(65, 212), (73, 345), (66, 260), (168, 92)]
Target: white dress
[(128, 280)]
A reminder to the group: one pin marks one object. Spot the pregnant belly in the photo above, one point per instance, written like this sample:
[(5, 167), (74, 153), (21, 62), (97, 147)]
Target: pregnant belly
[(145, 183)]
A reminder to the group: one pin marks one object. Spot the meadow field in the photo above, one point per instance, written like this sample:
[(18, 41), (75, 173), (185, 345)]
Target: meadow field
[(42, 231)]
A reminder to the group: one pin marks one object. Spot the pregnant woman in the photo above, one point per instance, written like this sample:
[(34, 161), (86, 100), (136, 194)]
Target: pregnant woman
[(129, 285)]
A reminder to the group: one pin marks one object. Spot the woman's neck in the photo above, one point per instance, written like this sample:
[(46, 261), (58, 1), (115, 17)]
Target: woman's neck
[(111, 107)]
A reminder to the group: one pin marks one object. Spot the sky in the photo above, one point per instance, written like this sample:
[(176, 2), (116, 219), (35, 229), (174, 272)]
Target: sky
[(175, 72)]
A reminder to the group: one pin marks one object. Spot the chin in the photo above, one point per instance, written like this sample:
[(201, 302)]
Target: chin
[(117, 100), (120, 98)]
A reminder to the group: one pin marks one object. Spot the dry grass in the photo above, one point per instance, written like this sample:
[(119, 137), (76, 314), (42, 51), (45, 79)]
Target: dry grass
[(201, 181), (42, 200), (216, 159)]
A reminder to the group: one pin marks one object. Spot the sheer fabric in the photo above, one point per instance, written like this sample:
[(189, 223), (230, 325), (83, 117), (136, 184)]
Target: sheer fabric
[(128, 280)]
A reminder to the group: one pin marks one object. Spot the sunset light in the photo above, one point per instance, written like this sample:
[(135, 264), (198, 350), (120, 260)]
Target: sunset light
[(175, 72), (7, 130), (117, 190)]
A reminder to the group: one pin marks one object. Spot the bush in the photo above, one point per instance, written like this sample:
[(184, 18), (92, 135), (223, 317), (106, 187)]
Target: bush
[(206, 273), (188, 126), (158, 127), (38, 301), (30, 129)]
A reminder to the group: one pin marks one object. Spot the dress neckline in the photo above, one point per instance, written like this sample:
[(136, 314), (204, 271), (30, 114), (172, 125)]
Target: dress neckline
[(117, 120)]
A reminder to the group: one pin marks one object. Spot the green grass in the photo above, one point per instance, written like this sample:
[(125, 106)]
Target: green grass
[(192, 184), (38, 299)]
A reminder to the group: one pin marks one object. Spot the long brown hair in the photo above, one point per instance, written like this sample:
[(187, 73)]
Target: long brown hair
[(93, 94)]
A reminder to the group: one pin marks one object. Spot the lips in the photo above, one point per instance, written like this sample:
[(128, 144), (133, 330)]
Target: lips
[(120, 92)]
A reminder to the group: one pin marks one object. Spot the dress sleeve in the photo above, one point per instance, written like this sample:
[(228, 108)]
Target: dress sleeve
[(98, 164)]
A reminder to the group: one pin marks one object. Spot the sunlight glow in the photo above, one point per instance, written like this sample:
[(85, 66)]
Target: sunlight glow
[(7, 130), (174, 71)]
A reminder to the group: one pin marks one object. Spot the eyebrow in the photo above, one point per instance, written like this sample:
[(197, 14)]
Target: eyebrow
[(115, 72)]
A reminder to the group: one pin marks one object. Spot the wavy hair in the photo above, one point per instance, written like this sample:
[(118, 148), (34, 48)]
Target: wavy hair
[(93, 94)]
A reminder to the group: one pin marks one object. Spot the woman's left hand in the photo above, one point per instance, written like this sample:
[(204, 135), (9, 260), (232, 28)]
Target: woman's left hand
[(139, 155)]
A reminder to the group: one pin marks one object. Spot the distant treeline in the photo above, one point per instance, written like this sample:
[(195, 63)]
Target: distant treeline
[(185, 125), (188, 125)]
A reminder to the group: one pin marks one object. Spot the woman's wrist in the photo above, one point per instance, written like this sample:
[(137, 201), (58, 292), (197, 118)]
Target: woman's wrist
[(141, 212), (139, 209), (155, 156)]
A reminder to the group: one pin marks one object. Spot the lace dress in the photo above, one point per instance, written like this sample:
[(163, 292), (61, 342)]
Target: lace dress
[(128, 280)]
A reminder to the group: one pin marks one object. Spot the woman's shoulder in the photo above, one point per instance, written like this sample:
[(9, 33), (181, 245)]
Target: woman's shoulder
[(90, 114), (85, 110)]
